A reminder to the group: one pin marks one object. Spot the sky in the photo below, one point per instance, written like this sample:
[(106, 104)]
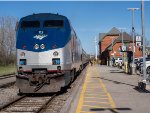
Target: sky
[(88, 18)]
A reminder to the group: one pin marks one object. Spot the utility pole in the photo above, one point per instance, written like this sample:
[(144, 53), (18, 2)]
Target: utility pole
[(112, 54), (143, 37), (112, 41), (95, 48), (142, 84), (133, 30)]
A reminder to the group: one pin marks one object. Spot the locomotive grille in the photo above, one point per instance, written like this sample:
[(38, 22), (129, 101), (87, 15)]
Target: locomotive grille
[(39, 71)]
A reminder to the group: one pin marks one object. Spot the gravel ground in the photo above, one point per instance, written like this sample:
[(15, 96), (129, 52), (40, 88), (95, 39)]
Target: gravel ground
[(8, 94), (58, 102)]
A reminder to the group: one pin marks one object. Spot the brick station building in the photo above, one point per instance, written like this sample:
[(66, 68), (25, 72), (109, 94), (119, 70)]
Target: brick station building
[(109, 45)]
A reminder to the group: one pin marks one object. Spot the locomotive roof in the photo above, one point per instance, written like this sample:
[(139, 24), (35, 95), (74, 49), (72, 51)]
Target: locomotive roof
[(44, 15)]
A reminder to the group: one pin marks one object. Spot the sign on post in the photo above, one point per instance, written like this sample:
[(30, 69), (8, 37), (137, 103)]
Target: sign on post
[(123, 48), (138, 39), (138, 44)]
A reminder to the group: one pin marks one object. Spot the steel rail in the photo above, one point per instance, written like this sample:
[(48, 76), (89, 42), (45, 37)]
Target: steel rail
[(16, 101), (7, 84), (44, 105), (7, 76), (12, 102)]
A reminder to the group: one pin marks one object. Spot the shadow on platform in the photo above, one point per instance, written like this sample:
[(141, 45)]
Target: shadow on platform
[(140, 90), (116, 82), (113, 110), (116, 71)]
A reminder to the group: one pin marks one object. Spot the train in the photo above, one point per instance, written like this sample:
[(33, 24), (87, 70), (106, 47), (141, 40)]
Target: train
[(49, 53)]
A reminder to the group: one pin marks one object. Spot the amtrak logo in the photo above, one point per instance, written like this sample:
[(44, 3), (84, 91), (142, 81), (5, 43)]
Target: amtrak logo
[(40, 35)]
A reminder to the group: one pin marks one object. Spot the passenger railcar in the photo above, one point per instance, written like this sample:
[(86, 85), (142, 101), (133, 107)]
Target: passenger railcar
[(48, 53)]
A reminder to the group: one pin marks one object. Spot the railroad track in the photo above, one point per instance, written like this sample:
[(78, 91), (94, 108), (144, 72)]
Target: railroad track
[(7, 80), (7, 76), (27, 104)]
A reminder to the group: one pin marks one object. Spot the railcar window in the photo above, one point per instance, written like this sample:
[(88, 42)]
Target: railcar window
[(30, 24), (54, 23)]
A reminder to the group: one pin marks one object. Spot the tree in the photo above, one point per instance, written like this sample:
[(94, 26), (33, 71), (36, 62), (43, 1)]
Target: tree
[(7, 40)]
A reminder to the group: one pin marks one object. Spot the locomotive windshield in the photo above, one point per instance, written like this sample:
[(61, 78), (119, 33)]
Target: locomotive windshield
[(30, 24), (54, 23)]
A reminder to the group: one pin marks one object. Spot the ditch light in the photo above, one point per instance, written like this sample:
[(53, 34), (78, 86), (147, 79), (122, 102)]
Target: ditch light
[(23, 62)]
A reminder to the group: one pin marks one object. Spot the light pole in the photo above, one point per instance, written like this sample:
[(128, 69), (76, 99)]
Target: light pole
[(133, 30), (121, 29), (142, 84)]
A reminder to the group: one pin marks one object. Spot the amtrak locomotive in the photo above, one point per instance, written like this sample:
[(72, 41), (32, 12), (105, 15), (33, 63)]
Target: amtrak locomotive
[(48, 53)]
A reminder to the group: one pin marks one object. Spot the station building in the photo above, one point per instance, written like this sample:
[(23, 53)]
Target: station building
[(110, 43)]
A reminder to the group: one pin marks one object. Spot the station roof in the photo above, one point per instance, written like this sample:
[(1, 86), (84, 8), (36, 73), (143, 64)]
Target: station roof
[(101, 35), (126, 38), (112, 32)]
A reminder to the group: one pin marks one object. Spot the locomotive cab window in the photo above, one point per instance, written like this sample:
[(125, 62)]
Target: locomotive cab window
[(30, 24), (54, 23)]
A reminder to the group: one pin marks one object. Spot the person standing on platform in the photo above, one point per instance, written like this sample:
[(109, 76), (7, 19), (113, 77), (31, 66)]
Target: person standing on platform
[(91, 63), (113, 60)]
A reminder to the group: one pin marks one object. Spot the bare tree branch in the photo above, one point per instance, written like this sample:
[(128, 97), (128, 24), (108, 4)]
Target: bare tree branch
[(7, 40)]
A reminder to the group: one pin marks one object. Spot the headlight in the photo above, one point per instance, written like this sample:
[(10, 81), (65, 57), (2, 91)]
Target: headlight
[(55, 53), (22, 54), (36, 46), (42, 46)]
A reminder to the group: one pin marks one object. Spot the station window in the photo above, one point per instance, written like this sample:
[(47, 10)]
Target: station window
[(54, 23), (30, 24)]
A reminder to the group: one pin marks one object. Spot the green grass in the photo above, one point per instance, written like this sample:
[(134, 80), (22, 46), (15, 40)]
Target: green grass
[(4, 70)]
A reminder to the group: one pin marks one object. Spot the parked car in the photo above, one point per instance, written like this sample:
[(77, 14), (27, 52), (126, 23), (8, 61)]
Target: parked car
[(136, 60), (118, 61), (137, 63), (147, 65)]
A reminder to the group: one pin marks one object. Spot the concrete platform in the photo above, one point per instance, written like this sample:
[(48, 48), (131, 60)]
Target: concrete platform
[(109, 90)]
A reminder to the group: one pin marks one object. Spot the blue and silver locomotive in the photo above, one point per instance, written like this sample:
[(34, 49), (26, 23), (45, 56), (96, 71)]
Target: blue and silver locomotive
[(48, 53)]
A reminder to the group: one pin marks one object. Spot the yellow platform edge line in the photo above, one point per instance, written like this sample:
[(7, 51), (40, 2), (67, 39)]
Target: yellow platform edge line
[(99, 93), (88, 94), (96, 98), (113, 105), (94, 106), (92, 88), (100, 96), (97, 102), (80, 103), (86, 112), (82, 94)]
